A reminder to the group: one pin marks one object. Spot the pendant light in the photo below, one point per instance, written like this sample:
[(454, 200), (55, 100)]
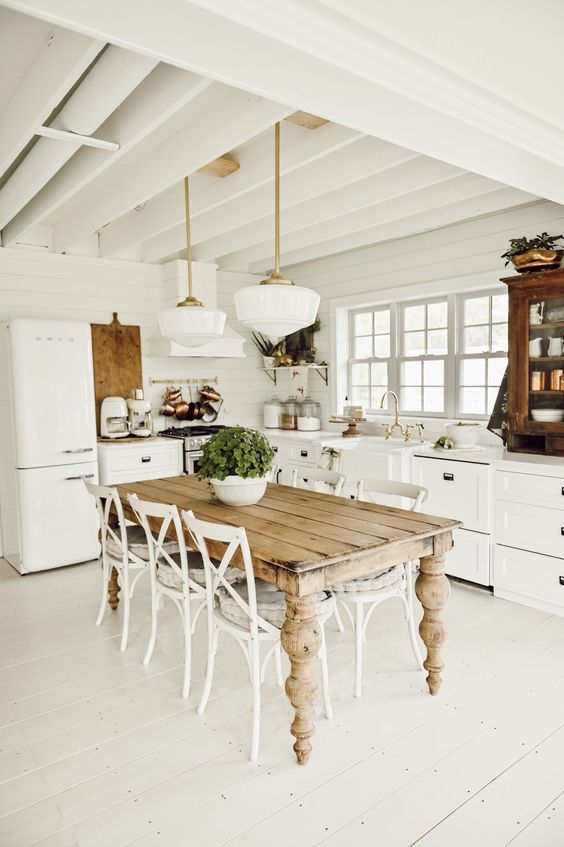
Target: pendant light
[(276, 307), (190, 323)]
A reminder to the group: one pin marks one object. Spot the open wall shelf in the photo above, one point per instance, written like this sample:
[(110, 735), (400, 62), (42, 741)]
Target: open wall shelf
[(322, 370)]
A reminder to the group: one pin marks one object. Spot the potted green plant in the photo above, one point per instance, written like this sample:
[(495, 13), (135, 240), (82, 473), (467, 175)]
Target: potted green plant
[(236, 461), (534, 254), (463, 433), (267, 348)]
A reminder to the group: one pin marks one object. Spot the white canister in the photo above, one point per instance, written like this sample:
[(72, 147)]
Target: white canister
[(309, 415), (273, 413)]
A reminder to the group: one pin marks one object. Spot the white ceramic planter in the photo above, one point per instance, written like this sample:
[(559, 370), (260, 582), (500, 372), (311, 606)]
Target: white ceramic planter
[(464, 436), (236, 491)]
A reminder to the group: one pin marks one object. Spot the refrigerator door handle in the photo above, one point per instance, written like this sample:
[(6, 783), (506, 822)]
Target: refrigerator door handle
[(80, 450), (81, 476)]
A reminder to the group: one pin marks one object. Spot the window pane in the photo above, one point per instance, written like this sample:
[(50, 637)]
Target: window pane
[(360, 397), (476, 339), (473, 372), (476, 311), (472, 401), (499, 337), (382, 346), (414, 317), (437, 315), (379, 373), (437, 341), (360, 374), (499, 308), (411, 399), (492, 397), (434, 373), (433, 399), (414, 343), (411, 373), (496, 369), (382, 321), (376, 397), (363, 324), (363, 348)]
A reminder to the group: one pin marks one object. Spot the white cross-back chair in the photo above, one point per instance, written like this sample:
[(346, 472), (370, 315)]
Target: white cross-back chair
[(251, 612), (318, 479), (373, 589), (180, 577), (123, 548)]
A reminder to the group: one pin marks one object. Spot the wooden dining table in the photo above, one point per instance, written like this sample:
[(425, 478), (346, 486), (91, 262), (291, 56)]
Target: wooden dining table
[(305, 542)]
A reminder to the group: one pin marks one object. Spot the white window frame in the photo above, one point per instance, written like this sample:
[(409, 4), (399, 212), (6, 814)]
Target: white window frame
[(453, 358), (426, 357)]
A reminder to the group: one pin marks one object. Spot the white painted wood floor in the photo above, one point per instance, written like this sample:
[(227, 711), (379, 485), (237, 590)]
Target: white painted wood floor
[(96, 750)]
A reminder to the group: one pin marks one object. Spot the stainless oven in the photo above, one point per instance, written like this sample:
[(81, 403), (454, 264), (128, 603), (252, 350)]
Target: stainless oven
[(192, 461)]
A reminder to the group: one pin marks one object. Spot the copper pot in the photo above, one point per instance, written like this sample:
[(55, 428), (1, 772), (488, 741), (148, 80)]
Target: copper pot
[(208, 393), (167, 410), (182, 410), (198, 410)]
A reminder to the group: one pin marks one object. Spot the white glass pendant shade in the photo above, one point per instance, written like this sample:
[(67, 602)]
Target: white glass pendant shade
[(276, 310), (192, 326)]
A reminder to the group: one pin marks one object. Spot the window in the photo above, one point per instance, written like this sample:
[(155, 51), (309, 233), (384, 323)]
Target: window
[(445, 356)]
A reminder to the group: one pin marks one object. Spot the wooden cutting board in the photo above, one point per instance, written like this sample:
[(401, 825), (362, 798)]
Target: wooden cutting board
[(116, 351)]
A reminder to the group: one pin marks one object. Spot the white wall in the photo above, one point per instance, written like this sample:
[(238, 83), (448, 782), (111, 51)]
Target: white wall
[(460, 257)]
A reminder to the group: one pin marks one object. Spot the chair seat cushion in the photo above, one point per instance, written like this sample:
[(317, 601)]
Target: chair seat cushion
[(271, 604), (137, 543), (171, 579), (384, 581)]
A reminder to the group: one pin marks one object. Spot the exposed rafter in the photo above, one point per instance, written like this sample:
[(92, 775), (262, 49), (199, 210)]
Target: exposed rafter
[(221, 167), (306, 120)]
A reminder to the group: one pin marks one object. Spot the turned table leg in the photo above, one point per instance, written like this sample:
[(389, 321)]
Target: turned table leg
[(113, 590), (432, 589), (301, 639)]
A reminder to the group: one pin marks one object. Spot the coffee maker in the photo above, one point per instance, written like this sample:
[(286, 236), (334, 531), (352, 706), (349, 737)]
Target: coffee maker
[(113, 418), (140, 421)]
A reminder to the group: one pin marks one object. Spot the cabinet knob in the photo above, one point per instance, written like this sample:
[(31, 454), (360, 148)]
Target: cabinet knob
[(145, 458), (276, 451), (561, 580), (303, 453), (562, 490), (449, 477)]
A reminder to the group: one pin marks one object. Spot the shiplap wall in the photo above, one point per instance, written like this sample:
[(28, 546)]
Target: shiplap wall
[(460, 257)]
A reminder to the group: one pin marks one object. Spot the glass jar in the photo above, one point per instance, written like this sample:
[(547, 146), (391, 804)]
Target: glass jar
[(273, 413), (290, 413), (309, 415)]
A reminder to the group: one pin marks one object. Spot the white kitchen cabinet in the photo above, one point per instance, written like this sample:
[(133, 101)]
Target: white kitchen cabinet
[(134, 461), (292, 452), (529, 578), (461, 490)]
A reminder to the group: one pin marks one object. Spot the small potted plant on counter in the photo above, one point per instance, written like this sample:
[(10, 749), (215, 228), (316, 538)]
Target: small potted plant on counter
[(463, 433), (529, 255), (236, 461)]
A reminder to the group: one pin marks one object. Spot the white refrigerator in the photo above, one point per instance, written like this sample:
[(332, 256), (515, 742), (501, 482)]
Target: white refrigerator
[(49, 440)]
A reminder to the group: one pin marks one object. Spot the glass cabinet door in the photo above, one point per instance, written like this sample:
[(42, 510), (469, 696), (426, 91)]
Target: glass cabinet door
[(546, 359)]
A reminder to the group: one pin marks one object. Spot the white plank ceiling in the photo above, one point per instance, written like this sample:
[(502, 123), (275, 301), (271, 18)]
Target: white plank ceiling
[(128, 122)]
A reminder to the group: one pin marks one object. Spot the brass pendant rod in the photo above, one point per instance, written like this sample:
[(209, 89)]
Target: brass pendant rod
[(188, 238), (277, 199)]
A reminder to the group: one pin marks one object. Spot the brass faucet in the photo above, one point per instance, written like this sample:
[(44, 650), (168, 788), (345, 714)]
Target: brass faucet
[(396, 422)]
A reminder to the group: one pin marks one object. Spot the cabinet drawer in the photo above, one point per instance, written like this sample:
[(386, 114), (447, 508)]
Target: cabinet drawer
[(139, 458), (528, 488), (470, 557), (530, 527), (456, 490), (530, 575), (305, 454)]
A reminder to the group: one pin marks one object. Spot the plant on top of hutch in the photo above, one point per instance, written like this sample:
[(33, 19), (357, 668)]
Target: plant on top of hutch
[(535, 398), (531, 255)]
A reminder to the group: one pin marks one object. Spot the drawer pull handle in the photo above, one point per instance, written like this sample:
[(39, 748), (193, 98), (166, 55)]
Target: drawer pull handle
[(449, 477), (562, 490), (561, 580), (303, 453), (145, 458), (562, 530), (276, 451), (82, 476)]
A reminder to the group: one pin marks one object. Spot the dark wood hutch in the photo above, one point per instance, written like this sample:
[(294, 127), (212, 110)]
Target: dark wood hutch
[(535, 395)]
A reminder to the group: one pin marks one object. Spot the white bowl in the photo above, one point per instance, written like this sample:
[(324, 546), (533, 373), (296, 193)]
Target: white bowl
[(547, 415), (236, 491), (465, 435)]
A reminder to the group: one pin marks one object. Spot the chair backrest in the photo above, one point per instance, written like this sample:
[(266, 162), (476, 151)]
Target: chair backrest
[(271, 473), (158, 535), (318, 479), (236, 540), (369, 489), (106, 497)]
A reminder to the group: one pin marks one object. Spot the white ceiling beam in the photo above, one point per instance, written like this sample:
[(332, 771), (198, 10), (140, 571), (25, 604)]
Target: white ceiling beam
[(377, 188), (63, 59), (220, 120), (84, 140), (164, 93), (412, 203), (345, 73), (463, 209), (256, 161)]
